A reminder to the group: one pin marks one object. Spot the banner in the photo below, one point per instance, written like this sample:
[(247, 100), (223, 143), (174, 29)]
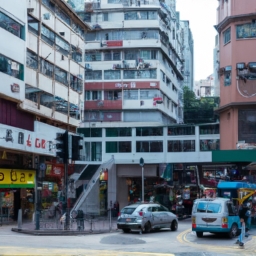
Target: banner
[(15, 178)]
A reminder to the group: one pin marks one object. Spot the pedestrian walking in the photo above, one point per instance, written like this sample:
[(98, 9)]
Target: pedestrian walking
[(243, 219)]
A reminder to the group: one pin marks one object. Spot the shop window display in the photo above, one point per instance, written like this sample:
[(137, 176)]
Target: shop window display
[(103, 191)]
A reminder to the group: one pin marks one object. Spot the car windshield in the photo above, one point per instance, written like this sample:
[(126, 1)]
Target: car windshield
[(128, 210), (208, 207)]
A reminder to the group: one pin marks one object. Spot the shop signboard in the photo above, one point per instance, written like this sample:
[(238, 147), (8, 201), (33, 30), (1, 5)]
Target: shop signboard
[(15, 178), (24, 140)]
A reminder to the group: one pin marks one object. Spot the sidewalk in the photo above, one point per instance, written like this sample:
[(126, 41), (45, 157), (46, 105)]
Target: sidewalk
[(52, 228)]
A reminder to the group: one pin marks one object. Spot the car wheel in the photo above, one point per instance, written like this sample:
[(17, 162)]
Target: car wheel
[(199, 234), (233, 231), (126, 230), (174, 225), (147, 227)]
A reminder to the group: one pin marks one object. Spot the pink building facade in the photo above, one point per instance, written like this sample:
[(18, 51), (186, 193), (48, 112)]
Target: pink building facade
[(236, 25)]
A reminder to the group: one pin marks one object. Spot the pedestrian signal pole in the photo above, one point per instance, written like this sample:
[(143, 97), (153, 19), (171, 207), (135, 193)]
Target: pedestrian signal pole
[(62, 147), (142, 179)]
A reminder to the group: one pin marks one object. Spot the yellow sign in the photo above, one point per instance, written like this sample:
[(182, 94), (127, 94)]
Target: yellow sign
[(16, 176)]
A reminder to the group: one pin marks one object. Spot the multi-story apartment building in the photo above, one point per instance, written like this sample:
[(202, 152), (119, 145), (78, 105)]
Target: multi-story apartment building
[(236, 25), (41, 93), (134, 61), (188, 53)]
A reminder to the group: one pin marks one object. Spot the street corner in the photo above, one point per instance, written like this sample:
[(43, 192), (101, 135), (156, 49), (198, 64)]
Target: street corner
[(217, 243)]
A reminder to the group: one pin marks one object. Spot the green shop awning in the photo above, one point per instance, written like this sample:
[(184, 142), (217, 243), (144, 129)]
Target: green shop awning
[(239, 155), (17, 185)]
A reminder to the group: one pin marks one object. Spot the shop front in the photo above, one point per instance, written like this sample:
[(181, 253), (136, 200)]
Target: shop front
[(172, 185), (16, 192)]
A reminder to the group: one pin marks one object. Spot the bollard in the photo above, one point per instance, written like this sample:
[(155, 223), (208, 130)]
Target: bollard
[(20, 219)]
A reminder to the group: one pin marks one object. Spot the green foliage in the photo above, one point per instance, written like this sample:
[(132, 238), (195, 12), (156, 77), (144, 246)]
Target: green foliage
[(197, 111)]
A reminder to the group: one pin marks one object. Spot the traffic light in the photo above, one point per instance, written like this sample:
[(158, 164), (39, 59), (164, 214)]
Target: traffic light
[(62, 146), (77, 146)]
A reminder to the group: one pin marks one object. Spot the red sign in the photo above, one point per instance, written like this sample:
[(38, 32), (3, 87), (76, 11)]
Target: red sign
[(15, 88), (40, 143), (29, 141), (114, 43)]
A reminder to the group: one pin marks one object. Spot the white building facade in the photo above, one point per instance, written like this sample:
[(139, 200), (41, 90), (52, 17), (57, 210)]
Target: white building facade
[(134, 61)]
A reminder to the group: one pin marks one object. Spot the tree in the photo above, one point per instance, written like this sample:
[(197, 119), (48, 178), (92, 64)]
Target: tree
[(197, 111)]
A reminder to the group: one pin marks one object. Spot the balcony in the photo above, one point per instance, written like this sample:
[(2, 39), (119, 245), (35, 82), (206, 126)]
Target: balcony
[(103, 104)]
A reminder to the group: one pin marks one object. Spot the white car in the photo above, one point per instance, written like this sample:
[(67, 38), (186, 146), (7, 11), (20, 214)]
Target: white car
[(145, 217)]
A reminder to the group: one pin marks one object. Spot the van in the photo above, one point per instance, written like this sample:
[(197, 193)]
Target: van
[(215, 215)]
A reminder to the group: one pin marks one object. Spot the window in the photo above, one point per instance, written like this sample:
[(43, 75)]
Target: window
[(90, 132), (246, 30), (76, 54), (33, 25), (113, 95), (247, 125), (61, 45), (140, 74), (141, 15), (131, 95), (149, 131), (227, 76), (112, 55), (61, 76), (31, 93), (181, 146), (187, 130), (107, 55), (11, 67), (112, 74), (148, 94), (46, 68), (105, 16), (49, 4), (118, 147), (130, 55), (148, 54), (209, 145), (64, 16), (32, 60), (47, 35), (227, 36), (149, 146), (92, 56), (117, 55), (76, 84), (162, 75), (96, 95), (85, 17), (209, 129), (12, 26), (118, 132), (93, 75)]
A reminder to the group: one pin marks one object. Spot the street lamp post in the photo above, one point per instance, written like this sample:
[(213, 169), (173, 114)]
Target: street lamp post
[(142, 178)]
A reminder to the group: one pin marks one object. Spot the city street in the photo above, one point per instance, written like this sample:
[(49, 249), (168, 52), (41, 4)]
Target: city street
[(181, 243)]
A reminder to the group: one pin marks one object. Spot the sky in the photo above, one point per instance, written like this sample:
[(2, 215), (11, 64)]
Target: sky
[(202, 17)]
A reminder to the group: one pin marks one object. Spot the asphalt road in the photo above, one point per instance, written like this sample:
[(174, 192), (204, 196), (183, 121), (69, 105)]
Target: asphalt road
[(180, 243)]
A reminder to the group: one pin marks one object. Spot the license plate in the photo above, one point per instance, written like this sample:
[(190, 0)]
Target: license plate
[(128, 220)]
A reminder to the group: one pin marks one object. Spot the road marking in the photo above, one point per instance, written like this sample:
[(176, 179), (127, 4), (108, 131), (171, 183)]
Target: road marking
[(250, 246), (21, 251)]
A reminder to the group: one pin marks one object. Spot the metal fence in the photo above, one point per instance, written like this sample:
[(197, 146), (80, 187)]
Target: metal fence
[(50, 220)]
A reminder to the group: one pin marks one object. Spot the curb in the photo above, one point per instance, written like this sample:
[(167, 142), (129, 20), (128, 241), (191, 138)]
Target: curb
[(61, 232)]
